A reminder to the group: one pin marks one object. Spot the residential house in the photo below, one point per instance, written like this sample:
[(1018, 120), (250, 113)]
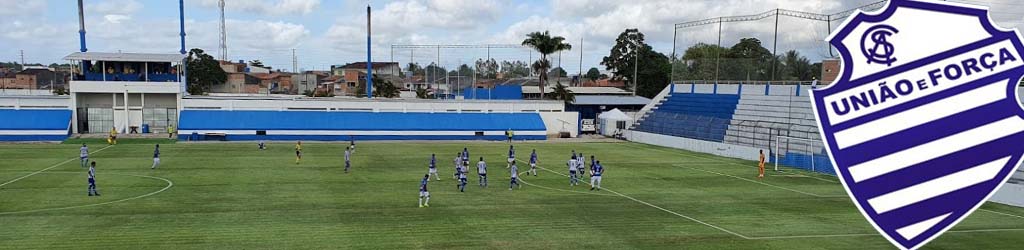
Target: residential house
[(6, 79), (380, 68), (38, 78), (276, 82), (307, 81)]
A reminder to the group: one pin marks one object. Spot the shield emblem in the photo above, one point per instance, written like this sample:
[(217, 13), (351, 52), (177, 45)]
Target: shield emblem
[(924, 122)]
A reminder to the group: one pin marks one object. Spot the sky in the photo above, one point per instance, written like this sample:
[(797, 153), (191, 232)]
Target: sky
[(326, 32)]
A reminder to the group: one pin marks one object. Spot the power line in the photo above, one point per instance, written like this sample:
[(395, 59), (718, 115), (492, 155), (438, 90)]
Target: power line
[(782, 12)]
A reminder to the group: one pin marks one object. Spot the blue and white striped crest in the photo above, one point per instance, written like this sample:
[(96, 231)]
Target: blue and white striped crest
[(924, 123)]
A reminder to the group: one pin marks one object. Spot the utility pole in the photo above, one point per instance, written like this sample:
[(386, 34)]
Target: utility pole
[(636, 56), (22, 59), (295, 63), (579, 77), (223, 34)]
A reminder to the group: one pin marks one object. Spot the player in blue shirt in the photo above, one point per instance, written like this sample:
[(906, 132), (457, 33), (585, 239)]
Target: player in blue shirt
[(352, 144), (424, 195), (511, 156), (514, 172), (433, 168), (533, 163), (481, 170), (595, 176), (84, 155), (92, 180), (156, 157)]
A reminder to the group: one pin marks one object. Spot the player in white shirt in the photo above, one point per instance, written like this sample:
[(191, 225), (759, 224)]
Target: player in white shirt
[(573, 181), (514, 173), (92, 180), (458, 163), (462, 178), (581, 167), (84, 155), (348, 155), (481, 170)]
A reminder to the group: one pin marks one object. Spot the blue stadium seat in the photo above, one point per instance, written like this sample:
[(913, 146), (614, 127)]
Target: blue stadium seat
[(690, 115)]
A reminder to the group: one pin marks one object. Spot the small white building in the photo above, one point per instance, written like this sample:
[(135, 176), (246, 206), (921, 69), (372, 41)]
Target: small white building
[(125, 91)]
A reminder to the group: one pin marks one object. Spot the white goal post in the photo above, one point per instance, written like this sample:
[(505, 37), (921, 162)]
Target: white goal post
[(800, 147)]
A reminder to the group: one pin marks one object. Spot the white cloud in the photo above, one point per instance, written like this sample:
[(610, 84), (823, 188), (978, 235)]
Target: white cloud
[(267, 7), (21, 8), (122, 7)]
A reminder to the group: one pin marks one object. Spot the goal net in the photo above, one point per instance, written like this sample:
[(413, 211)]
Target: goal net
[(802, 153)]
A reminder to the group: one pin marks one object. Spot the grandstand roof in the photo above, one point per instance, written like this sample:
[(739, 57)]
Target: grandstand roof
[(578, 90), (125, 57), (610, 100)]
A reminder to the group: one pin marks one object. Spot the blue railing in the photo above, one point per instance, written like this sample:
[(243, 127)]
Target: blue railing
[(90, 76)]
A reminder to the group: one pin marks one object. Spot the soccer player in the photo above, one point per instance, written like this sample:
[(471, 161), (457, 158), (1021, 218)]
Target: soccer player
[(92, 180), (581, 167), (348, 163), (514, 172), (511, 156), (458, 162), (462, 178), (509, 134), (760, 164), (156, 157), (481, 170), (533, 162), (572, 170), (424, 195), (83, 155), (112, 140), (595, 176), (298, 152), (433, 168), (352, 144), (465, 157), (263, 146)]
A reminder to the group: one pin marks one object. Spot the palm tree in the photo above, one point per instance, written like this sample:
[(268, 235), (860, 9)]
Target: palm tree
[(544, 44), (562, 92), (422, 93)]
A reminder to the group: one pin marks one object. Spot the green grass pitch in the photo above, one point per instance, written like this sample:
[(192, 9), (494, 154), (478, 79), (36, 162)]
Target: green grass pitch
[(233, 196)]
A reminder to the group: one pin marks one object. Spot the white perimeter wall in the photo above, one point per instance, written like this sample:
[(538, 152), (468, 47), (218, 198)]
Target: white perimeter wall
[(35, 102), (715, 148), (552, 112)]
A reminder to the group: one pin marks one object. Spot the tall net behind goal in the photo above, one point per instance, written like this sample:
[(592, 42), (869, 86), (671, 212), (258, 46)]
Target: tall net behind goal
[(802, 153)]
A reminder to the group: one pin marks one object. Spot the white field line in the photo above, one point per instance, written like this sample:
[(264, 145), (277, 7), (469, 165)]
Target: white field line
[(51, 167), (1001, 213), (773, 237), (657, 207), (169, 185), (759, 182), (722, 161)]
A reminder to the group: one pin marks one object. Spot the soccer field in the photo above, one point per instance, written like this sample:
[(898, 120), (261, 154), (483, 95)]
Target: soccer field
[(233, 196)]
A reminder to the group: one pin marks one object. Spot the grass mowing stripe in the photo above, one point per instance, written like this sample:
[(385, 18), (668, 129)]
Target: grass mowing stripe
[(51, 167)]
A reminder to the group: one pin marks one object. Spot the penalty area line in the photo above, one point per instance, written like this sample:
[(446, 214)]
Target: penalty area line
[(657, 207)]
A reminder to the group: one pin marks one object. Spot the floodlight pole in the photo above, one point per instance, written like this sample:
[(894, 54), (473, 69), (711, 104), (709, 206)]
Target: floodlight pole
[(775, 46), (369, 58), (636, 59)]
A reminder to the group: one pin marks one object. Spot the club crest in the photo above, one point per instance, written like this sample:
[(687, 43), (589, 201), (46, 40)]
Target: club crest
[(924, 123)]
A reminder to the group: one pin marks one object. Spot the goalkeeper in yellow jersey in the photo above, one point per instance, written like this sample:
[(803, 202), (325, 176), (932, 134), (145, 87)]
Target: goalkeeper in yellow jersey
[(298, 152)]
